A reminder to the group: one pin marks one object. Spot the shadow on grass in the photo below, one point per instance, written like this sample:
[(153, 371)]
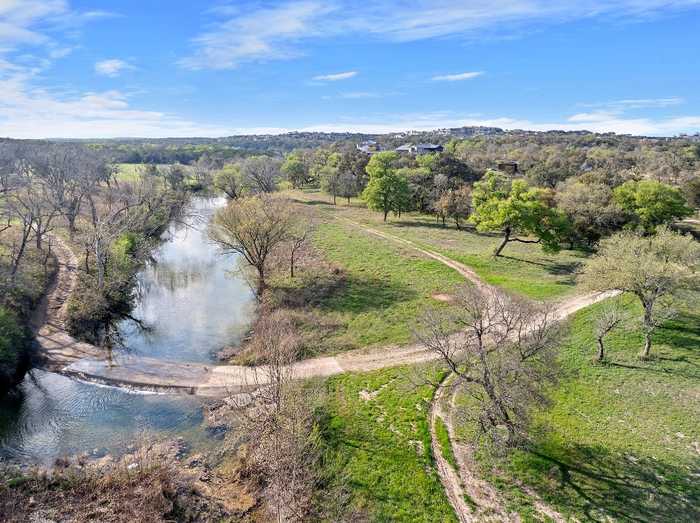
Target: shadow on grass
[(340, 292), (599, 484)]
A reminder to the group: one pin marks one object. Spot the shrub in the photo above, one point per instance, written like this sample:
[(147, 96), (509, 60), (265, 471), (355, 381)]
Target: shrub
[(13, 345)]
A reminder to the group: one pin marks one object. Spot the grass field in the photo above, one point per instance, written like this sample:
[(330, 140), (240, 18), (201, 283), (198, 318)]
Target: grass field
[(523, 268), (378, 447), (379, 299), (622, 439)]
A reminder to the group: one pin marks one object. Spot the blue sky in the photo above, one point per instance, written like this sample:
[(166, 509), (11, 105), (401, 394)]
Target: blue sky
[(84, 68)]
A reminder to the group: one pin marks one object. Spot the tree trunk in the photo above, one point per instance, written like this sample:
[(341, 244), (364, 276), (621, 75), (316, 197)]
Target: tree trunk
[(261, 283), (334, 200), (386, 213), (71, 226), (648, 329), (601, 349), (506, 239), (291, 266)]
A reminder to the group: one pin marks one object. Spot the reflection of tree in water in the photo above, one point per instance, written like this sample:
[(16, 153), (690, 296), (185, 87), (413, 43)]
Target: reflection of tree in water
[(174, 277)]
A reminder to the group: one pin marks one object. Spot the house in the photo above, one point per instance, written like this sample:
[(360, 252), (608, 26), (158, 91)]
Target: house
[(421, 148), (425, 148), (508, 167), (407, 148), (369, 147)]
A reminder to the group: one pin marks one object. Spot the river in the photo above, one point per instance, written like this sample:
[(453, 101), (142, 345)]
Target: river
[(193, 304)]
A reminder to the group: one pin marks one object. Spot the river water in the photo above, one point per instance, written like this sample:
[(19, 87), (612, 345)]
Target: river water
[(192, 303)]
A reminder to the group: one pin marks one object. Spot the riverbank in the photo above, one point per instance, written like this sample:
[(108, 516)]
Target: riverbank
[(67, 356)]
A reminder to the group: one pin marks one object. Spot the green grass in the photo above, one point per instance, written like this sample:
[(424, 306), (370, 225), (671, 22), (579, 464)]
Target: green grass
[(523, 269), (378, 448), (129, 172), (387, 287), (622, 439), (443, 437)]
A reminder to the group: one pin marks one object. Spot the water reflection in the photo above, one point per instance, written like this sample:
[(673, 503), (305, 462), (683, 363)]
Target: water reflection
[(193, 305), (189, 298)]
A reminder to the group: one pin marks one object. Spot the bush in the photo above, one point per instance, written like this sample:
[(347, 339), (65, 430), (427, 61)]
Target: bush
[(13, 346)]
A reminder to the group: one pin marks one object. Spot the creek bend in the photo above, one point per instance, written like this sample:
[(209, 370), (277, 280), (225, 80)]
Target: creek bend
[(193, 304)]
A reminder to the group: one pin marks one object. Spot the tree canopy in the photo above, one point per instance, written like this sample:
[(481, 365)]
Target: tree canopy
[(512, 207), (651, 203), (387, 189), (653, 268)]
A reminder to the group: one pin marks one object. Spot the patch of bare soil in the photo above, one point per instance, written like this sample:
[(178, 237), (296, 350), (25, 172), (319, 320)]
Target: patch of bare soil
[(446, 298)]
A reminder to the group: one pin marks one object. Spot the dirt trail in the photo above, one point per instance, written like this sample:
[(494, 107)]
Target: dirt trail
[(60, 352)]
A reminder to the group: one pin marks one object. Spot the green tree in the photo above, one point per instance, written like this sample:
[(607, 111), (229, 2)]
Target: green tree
[(656, 269), (513, 208), (329, 176), (228, 180), (295, 169), (651, 203), (387, 189)]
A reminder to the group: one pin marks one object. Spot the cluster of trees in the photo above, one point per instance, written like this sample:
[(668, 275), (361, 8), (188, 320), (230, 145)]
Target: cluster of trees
[(46, 187)]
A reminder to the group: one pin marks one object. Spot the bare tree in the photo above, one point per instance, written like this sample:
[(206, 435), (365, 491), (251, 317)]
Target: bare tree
[(117, 210), (609, 318), (503, 357), (279, 425), (253, 227), (69, 174), (301, 230), (259, 174)]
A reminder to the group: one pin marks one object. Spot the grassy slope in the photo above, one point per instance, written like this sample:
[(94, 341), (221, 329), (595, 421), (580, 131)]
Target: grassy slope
[(386, 288), (523, 268), (623, 437), (379, 447)]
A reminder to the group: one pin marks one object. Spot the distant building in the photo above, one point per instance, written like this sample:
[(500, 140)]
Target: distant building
[(508, 167), (424, 148), (421, 148), (369, 147), (407, 148)]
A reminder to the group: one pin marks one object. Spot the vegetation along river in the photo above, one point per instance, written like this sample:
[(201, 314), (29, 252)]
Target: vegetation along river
[(192, 304)]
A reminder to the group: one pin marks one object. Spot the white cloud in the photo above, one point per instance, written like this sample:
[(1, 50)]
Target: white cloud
[(263, 34), (438, 120), (32, 112), (112, 68), (639, 103), (457, 77), (273, 33), (334, 77)]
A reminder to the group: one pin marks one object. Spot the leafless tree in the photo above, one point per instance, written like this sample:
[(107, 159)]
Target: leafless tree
[(301, 230), (503, 356), (117, 210), (69, 173), (260, 174), (279, 425), (609, 317)]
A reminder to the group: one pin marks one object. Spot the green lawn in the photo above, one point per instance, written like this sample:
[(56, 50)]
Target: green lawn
[(523, 268), (378, 448), (385, 289), (622, 439)]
